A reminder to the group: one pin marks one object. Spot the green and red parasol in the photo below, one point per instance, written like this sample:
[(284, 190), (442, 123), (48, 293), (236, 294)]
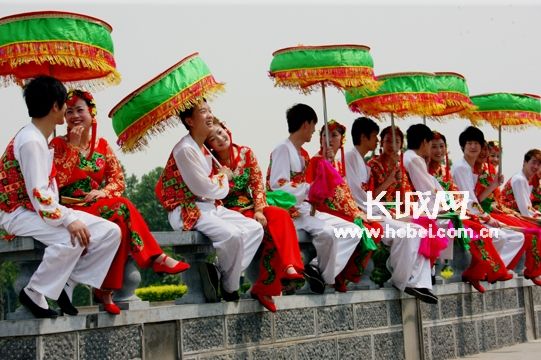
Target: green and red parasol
[(453, 91), (507, 110), (76, 49), (309, 67), (156, 104)]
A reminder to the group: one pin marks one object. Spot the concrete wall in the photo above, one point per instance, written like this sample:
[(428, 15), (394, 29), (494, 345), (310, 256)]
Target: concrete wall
[(363, 324)]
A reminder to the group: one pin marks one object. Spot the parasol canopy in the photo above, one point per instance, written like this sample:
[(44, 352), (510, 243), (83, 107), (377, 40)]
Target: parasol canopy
[(154, 105), (453, 91), (401, 94), (76, 49), (507, 109), (308, 67)]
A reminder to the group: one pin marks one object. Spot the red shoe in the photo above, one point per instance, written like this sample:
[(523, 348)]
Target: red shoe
[(475, 283), (505, 277), (161, 267), (535, 280), (340, 285), (264, 300), (111, 308), (293, 276)]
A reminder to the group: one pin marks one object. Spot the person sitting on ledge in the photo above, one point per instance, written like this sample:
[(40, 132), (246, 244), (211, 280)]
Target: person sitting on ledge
[(91, 179), (79, 246), (189, 190)]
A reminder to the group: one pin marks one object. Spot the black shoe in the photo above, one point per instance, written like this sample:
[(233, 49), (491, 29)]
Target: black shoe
[(422, 294), (229, 296), (317, 285), (65, 304), (36, 310), (210, 282)]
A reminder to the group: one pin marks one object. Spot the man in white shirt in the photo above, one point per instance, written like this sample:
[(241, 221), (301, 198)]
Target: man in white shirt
[(517, 191), (507, 242), (79, 246), (410, 271), (235, 237), (287, 173)]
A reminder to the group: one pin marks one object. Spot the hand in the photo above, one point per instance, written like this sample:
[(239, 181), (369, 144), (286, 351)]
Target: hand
[(226, 171), (75, 135), (78, 230), (260, 218), (329, 155), (94, 195), (493, 222)]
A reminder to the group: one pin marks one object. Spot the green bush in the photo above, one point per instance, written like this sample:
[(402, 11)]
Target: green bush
[(161, 292)]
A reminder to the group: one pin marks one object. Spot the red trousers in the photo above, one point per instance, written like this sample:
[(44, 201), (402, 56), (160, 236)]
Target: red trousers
[(280, 248), (136, 239), (532, 245)]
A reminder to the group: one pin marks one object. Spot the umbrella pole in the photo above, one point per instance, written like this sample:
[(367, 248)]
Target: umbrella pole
[(393, 134), (424, 119), (501, 151), (325, 115), (213, 157)]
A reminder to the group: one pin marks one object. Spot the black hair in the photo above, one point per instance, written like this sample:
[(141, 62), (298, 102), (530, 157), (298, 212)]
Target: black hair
[(387, 130), (438, 135), (186, 113), (41, 93), (533, 153), (297, 115), (363, 126), (471, 134), (416, 134)]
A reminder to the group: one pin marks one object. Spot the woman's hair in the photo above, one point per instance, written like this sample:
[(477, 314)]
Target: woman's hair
[(439, 136), (75, 94), (387, 131)]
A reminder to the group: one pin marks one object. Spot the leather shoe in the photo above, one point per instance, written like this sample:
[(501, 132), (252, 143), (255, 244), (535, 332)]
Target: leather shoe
[(536, 280), (422, 294), (229, 296), (268, 304), (311, 273), (210, 281), (161, 267), (475, 283), (65, 304), (34, 308), (111, 308)]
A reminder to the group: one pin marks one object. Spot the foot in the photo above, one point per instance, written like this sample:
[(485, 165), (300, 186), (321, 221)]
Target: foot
[(165, 264), (340, 285), (312, 274), (35, 309), (210, 281), (423, 294), (475, 283), (229, 296), (105, 297), (291, 278), (265, 300), (65, 304), (535, 280)]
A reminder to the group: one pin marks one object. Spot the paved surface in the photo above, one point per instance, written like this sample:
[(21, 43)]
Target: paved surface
[(525, 351)]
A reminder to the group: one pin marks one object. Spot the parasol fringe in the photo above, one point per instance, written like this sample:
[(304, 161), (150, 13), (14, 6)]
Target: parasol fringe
[(519, 119), (400, 104), (309, 79), (135, 137)]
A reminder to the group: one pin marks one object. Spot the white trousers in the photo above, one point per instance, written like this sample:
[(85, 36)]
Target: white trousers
[(333, 252), (235, 237), (407, 266), (507, 242), (62, 260)]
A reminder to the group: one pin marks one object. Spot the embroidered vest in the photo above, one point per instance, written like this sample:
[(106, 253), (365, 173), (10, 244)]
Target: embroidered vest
[(172, 191), (507, 197), (12, 188)]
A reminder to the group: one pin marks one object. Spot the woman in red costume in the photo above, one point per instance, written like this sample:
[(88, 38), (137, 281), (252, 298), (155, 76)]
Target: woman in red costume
[(339, 201), (90, 179), (486, 263), (281, 262), (488, 193)]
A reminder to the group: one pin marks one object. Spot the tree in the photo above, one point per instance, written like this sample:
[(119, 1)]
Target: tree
[(144, 198)]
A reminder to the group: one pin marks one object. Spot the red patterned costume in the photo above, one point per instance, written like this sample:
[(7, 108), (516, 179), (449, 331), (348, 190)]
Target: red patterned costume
[(280, 244), (77, 175)]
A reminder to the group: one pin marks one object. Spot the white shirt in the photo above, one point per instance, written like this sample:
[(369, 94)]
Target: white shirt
[(196, 169), (286, 159), (522, 191), (465, 180), (420, 177), (36, 160), (357, 174)]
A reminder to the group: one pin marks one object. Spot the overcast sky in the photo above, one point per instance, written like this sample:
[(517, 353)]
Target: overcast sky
[(496, 47)]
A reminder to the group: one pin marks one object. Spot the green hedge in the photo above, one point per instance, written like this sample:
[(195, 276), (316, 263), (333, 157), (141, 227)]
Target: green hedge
[(161, 292)]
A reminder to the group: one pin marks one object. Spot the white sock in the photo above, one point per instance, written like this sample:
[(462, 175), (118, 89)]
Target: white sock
[(37, 298), (69, 287)]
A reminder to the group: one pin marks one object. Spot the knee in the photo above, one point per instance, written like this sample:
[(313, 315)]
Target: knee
[(114, 233)]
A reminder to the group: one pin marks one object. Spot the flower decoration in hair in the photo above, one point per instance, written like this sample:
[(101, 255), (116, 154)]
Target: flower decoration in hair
[(73, 95), (494, 145), (335, 125)]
